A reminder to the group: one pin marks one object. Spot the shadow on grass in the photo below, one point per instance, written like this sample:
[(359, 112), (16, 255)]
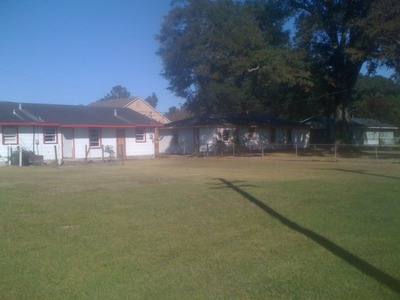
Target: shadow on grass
[(361, 265), (365, 173)]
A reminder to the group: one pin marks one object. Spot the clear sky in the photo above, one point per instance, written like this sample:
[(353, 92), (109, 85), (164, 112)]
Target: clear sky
[(75, 51)]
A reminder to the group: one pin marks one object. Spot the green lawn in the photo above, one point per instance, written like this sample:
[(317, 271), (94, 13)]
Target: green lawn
[(202, 228)]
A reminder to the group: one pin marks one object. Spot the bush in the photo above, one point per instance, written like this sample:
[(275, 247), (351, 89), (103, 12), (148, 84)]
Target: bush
[(25, 157)]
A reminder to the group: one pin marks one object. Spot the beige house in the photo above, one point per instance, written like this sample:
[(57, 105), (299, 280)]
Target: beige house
[(137, 104)]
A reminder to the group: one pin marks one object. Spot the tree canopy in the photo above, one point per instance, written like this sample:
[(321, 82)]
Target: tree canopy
[(117, 92), (340, 36), (226, 55), (377, 98)]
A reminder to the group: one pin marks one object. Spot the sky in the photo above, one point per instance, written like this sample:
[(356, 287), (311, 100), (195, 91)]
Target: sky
[(75, 51)]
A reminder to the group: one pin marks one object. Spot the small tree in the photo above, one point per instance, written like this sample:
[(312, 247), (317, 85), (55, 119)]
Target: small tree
[(152, 100), (117, 92)]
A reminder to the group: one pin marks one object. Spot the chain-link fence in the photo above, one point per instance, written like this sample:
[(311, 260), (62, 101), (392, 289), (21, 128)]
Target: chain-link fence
[(318, 150)]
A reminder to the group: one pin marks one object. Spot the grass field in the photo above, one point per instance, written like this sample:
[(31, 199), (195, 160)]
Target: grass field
[(202, 228)]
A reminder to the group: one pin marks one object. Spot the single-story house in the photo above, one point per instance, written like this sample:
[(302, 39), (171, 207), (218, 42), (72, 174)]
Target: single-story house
[(75, 132), (372, 132), (206, 133), (363, 131), (137, 104)]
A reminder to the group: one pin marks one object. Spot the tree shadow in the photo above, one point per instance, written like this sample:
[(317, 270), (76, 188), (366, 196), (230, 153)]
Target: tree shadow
[(365, 173), (358, 263)]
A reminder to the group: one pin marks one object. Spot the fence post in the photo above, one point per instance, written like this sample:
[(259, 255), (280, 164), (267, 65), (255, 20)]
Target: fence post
[(20, 156), (55, 154), (295, 146), (9, 150), (335, 150), (376, 152)]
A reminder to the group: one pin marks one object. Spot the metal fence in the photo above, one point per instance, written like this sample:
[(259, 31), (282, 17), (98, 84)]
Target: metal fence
[(319, 150)]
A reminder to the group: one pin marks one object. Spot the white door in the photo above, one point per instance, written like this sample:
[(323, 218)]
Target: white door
[(68, 142)]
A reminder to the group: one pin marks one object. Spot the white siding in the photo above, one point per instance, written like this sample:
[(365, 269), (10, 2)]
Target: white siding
[(31, 139), (209, 138), (184, 145)]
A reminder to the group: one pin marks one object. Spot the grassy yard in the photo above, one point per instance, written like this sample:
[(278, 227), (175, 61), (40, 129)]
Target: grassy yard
[(201, 228)]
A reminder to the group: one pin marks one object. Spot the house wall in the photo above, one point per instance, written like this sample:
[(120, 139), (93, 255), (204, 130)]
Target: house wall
[(138, 148), (142, 107), (373, 137), (209, 138), (108, 138), (184, 145), (31, 138)]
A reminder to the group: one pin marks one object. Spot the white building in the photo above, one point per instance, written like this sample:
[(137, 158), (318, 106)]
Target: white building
[(75, 132)]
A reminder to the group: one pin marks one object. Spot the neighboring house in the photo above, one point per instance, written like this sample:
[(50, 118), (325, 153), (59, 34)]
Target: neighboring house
[(322, 130), (137, 104), (205, 133), (363, 131), (372, 132), (75, 132)]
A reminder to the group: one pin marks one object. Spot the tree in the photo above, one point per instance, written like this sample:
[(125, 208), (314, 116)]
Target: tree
[(176, 114), (117, 92), (378, 98), (152, 100), (340, 36), (227, 56)]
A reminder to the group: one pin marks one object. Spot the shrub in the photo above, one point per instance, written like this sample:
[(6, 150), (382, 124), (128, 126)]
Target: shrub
[(25, 157)]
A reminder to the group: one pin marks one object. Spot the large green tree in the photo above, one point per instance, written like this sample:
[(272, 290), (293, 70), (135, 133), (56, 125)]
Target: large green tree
[(340, 36), (229, 55), (378, 98)]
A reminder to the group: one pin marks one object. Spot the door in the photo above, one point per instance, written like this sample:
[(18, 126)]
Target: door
[(68, 142), (121, 146)]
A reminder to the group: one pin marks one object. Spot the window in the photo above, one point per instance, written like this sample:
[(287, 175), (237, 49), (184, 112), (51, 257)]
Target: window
[(226, 134), (94, 137), (175, 137), (10, 136), (250, 133), (50, 135), (140, 135)]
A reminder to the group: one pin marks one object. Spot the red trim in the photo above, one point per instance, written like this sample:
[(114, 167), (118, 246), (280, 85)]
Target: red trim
[(56, 135), (16, 134), (144, 135), (100, 135), (80, 125)]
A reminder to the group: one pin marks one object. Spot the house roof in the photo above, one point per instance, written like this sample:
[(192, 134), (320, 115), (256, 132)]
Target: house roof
[(355, 122), (12, 113), (233, 120), (370, 123)]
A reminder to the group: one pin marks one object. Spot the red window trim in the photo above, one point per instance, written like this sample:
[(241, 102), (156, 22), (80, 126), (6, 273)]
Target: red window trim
[(56, 137), (16, 133), (144, 135), (100, 142)]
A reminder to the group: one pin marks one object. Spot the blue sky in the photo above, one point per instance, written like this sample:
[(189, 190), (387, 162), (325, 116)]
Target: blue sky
[(75, 51)]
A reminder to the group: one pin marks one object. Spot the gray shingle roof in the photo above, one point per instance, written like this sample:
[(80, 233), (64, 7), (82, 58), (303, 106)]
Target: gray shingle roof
[(71, 115), (233, 120), (371, 123)]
